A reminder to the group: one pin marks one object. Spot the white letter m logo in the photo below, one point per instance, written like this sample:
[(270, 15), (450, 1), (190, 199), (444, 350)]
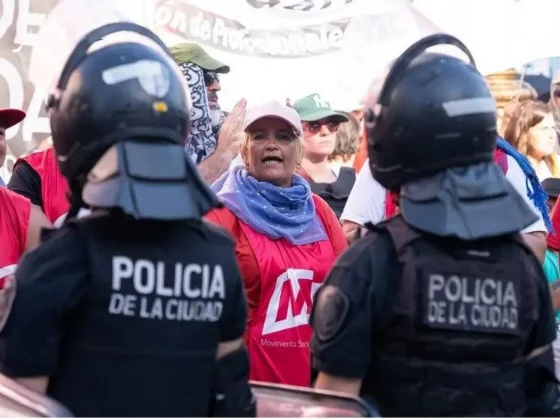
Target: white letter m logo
[(291, 302)]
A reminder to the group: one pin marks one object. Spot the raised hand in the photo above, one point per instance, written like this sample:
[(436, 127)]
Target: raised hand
[(232, 126)]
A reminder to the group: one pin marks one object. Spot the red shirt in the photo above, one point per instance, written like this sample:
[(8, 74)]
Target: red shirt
[(54, 187), (15, 211)]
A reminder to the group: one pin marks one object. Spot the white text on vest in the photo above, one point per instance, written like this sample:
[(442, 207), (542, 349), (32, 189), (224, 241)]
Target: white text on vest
[(150, 290)]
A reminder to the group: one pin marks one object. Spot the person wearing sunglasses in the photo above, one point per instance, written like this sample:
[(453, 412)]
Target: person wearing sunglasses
[(212, 83), (320, 125), (201, 73)]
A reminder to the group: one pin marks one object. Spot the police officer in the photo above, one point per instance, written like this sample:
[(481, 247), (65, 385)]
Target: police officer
[(138, 310), (442, 310)]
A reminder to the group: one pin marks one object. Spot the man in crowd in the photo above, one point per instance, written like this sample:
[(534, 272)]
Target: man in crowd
[(36, 176), (20, 222), (201, 72), (213, 142)]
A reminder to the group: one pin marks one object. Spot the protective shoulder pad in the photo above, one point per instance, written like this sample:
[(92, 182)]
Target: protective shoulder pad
[(401, 233)]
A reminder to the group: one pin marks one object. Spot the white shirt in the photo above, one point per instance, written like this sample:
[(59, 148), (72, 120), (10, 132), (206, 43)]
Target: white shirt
[(366, 202)]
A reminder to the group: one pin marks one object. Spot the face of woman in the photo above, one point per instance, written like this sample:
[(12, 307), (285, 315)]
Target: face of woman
[(319, 138), (272, 152), (542, 137)]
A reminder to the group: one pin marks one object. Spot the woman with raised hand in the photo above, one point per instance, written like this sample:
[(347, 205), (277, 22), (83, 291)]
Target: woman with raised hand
[(287, 239)]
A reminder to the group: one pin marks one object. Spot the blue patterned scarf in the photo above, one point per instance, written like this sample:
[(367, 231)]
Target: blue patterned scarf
[(534, 189), (275, 212)]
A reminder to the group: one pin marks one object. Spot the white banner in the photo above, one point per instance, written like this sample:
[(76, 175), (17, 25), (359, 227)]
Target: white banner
[(287, 48)]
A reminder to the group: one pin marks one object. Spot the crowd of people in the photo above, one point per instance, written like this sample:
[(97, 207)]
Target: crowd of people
[(302, 197)]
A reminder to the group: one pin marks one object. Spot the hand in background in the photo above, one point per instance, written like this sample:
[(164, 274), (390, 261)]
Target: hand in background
[(232, 126)]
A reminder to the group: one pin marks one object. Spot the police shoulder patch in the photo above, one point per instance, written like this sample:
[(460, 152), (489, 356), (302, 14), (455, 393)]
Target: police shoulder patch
[(330, 311), (7, 296)]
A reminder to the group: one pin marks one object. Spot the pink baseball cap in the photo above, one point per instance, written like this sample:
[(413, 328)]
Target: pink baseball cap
[(272, 109)]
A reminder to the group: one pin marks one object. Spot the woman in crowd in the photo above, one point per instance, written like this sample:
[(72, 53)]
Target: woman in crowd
[(286, 241), (531, 131), (320, 127)]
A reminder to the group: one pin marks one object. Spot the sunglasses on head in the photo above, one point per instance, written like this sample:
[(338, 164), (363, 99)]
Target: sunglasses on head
[(210, 77), (315, 126)]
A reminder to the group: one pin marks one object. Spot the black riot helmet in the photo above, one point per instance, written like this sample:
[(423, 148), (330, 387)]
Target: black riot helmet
[(119, 120), (433, 112), (119, 91)]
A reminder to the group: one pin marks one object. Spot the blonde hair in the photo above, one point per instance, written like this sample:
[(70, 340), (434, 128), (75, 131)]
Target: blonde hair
[(526, 115), (246, 139)]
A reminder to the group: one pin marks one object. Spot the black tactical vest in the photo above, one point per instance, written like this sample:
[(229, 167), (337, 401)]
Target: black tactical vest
[(144, 343), (336, 193), (454, 340)]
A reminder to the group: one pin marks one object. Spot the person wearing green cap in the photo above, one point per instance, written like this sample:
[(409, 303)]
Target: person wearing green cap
[(201, 73), (320, 125)]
